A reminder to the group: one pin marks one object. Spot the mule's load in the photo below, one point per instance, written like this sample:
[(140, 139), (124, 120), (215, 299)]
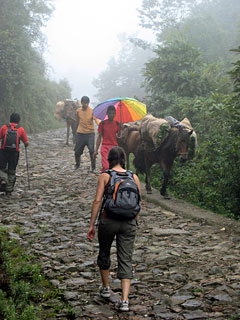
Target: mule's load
[(153, 131), (59, 111), (66, 110)]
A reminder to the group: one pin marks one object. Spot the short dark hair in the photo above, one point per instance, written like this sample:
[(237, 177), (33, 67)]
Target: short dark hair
[(111, 108), (85, 99), (15, 118), (116, 156)]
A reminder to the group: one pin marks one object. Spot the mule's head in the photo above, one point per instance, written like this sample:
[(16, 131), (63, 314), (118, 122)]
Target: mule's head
[(182, 143)]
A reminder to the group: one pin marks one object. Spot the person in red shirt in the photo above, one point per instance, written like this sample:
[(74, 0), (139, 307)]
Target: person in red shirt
[(9, 154), (107, 131)]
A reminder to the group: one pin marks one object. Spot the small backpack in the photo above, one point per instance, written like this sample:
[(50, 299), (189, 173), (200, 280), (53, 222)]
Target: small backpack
[(11, 139), (122, 199)]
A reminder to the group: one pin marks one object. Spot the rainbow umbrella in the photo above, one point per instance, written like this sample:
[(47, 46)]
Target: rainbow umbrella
[(127, 109)]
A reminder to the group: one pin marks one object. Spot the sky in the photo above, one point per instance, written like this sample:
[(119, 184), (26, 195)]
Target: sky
[(83, 35)]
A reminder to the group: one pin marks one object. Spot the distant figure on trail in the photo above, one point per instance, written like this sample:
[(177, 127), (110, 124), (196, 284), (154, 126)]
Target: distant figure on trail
[(107, 131), (109, 228), (11, 135), (67, 110), (85, 132)]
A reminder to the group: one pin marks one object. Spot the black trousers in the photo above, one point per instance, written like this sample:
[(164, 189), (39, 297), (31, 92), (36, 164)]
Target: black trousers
[(83, 140), (8, 160), (8, 165)]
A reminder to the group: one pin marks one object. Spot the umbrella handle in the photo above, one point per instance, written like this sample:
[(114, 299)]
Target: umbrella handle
[(120, 112), (119, 135)]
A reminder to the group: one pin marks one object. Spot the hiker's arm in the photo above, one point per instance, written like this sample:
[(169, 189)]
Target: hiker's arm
[(23, 137), (98, 142), (97, 121), (102, 181), (135, 177)]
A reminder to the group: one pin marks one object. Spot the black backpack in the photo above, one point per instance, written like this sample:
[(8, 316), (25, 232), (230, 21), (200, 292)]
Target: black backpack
[(122, 199), (11, 139)]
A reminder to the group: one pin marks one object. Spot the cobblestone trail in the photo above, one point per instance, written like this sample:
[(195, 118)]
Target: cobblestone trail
[(183, 268)]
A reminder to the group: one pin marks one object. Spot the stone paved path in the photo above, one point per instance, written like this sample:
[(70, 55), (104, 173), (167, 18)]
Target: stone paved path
[(183, 269)]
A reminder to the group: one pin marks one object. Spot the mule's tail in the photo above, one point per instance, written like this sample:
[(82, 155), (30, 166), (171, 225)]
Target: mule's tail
[(138, 161)]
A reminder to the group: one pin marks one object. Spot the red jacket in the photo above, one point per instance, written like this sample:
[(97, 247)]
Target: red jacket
[(21, 133)]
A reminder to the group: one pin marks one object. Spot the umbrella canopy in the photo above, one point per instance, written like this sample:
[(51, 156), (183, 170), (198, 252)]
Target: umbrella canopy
[(127, 109)]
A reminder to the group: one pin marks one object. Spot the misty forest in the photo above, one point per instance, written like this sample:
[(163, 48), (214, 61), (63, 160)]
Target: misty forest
[(191, 69)]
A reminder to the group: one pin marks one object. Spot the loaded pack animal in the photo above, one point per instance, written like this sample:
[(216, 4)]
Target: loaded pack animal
[(129, 139), (67, 110), (160, 141)]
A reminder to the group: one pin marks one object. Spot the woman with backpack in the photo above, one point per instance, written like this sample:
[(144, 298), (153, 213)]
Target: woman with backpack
[(120, 224)]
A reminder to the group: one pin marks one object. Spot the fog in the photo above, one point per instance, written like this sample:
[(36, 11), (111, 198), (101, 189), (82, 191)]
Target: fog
[(83, 35)]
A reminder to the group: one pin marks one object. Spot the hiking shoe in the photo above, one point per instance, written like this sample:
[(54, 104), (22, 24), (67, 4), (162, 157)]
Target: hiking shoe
[(76, 166), (105, 292), (122, 305)]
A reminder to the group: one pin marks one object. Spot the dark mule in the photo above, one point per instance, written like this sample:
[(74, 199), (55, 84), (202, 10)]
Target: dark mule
[(129, 141), (175, 144)]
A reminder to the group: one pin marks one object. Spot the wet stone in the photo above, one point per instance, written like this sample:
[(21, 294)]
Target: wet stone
[(221, 298), (70, 295), (87, 275), (179, 299), (195, 315), (168, 232), (75, 282), (192, 304), (178, 277)]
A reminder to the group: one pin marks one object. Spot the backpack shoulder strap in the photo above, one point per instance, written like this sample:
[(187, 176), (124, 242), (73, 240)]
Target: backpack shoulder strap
[(112, 175), (129, 173), (108, 171), (17, 127)]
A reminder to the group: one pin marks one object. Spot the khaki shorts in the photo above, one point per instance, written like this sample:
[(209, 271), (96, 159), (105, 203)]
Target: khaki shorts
[(125, 235)]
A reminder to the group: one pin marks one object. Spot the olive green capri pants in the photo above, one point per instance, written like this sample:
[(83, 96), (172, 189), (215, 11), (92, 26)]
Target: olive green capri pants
[(125, 232)]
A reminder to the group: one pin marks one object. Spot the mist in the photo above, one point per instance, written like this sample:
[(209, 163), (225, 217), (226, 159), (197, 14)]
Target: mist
[(83, 36)]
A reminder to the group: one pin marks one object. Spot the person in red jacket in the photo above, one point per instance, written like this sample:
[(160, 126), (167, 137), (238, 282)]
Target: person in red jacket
[(107, 134), (10, 135)]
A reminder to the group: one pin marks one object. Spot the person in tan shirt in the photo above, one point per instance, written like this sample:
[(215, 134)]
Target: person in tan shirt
[(85, 132)]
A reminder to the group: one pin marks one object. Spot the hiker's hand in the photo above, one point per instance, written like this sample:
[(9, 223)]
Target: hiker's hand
[(95, 154), (91, 233)]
